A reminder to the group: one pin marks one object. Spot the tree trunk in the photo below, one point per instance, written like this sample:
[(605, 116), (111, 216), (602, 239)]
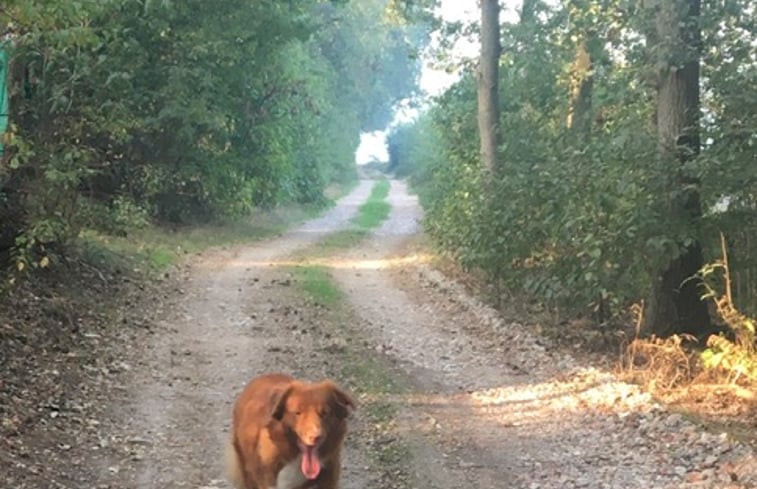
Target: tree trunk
[(582, 85), (488, 97), (675, 305), (527, 11)]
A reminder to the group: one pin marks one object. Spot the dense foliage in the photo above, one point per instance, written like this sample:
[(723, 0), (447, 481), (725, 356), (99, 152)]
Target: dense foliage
[(128, 110), (579, 216)]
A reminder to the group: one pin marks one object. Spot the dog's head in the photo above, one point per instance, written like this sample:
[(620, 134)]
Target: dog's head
[(313, 413)]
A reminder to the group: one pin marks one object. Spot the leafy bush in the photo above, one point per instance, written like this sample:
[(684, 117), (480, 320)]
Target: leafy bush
[(737, 355)]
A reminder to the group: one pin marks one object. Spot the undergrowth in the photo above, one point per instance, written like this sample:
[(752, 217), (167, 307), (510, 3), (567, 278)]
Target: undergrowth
[(131, 242), (728, 358), (714, 379), (733, 355), (154, 248)]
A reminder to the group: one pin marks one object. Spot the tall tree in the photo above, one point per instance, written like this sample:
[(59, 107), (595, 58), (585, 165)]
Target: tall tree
[(527, 11), (488, 96), (675, 305), (582, 85)]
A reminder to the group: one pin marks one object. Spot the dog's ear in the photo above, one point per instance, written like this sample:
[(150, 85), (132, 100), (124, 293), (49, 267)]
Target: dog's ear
[(279, 403), (341, 402)]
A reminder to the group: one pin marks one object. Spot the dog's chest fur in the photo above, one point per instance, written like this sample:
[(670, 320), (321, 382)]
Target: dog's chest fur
[(291, 476)]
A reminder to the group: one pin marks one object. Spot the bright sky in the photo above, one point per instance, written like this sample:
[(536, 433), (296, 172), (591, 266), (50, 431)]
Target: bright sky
[(435, 81), (372, 147), (432, 81)]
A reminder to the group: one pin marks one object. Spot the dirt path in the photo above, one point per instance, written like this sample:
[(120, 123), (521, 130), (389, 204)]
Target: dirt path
[(493, 408), (460, 397), (236, 316), (485, 405)]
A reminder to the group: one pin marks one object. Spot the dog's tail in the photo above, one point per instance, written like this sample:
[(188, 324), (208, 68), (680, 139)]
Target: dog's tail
[(233, 468)]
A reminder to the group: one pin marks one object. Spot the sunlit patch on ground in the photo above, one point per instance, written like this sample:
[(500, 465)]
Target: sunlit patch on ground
[(576, 411), (587, 388), (529, 403), (342, 263)]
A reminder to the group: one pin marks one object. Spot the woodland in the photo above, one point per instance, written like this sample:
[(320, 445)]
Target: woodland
[(614, 177), (128, 112), (597, 159)]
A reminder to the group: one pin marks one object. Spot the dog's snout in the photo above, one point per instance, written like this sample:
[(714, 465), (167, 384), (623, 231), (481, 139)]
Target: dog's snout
[(312, 438)]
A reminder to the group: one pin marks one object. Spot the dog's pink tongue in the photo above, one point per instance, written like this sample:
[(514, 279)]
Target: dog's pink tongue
[(311, 466)]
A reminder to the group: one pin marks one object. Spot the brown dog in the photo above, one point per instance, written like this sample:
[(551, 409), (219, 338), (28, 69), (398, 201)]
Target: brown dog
[(288, 434)]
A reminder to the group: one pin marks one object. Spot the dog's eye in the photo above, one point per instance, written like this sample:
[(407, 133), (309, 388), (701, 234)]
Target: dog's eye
[(297, 413)]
